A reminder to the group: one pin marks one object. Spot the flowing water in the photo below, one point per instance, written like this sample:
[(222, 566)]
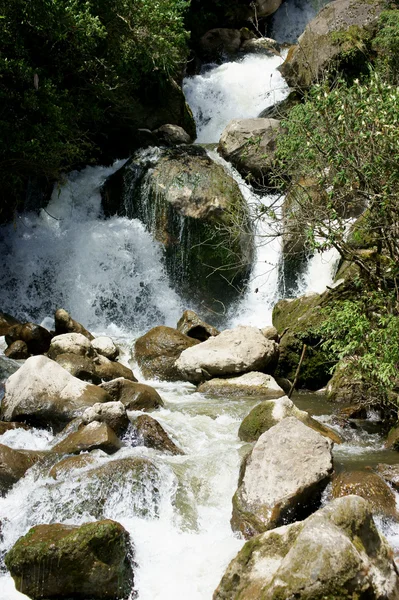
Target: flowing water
[(109, 274)]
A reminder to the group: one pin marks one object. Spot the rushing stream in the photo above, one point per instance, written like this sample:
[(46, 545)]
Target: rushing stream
[(109, 274)]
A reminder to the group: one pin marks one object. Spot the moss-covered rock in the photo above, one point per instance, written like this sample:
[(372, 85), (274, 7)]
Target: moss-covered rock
[(195, 209), (369, 486), (63, 561), (335, 554), (270, 412), (346, 386)]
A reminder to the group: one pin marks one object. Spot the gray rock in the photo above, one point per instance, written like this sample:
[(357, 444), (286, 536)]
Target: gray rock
[(335, 553), (261, 46), (111, 413), (105, 346), (171, 135), (70, 343), (44, 394), (284, 476), (249, 384), (193, 326), (270, 333), (233, 351)]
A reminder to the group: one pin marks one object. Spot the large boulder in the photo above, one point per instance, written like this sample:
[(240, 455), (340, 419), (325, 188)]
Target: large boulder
[(233, 351), (134, 396), (36, 337), (107, 369), (156, 352), (195, 209), (13, 466), (346, 385), (336, 553), (339, 32), (253, 384), (369, 486), (94, 436), (283, 477), (219, 43), (193, 326), (270, 412), (66, 561), (70, 343), (44, 394), (79, 366), (250, 144), (148, 432), (65, 324)]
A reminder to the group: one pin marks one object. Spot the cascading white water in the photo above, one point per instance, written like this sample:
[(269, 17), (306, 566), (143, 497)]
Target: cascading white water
[(233, 90)]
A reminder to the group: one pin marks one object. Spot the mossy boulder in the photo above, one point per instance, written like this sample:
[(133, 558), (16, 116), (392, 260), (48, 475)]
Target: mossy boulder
[(296, 321), (195, 209), (369, 486), (347, 386), (270, 412), (65, 561), (335, 554), (157, 351), (336, 38)]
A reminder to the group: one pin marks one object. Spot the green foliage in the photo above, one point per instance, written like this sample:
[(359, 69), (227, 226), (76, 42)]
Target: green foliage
[(365, 332), (386, 44), (70, 69)]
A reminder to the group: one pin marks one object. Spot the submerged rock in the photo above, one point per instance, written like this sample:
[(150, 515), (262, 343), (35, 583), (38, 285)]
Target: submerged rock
[(233, 351), (134, 396), (66, 561), (249, 384), (336, 553), (156, 352), (369, 486), (193, 326), (44, 394), (151, 434), (250, 144), (267, 414), (283, 478), (65, 324)]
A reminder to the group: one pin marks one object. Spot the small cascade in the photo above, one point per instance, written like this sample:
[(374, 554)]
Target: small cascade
[(290, 20)]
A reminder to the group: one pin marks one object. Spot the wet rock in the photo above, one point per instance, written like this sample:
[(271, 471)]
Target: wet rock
[(94, 436), (63, 561), (233, 351), (218, 43), (369, 486), (10, 426), (354, 411), (17, 350), (44, 394), (267, 414), (151, 434), (193, 326), (8, 366), (81, 367), (249, 384), (261, 46), (104, 346), (250, 144), (172, 135), (7, 321), (389, 473), (13, 466), (65, 324), (264, 8), (111, 413), (64, 467), (37, 338), (270, 333), (134, 396), (346, 386), (108, 369), (156, 352), (392, 440), (333, 35), (336, 553), (70, 343), (283, 479)]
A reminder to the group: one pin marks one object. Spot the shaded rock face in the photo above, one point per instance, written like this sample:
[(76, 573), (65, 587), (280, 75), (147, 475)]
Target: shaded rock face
[(156, 352), (134, 396), (8, 366), (195, 209), (193, 326), (284, 476), (81, 367), (345, 386), (336, 553), (107, 369), (44, 394), (171, 135), (17, 350), (13, 466), (151, 434), (267, 414), (36, 338), (249, 384), (339, 29), (6, 322), (94, 436), (219, 43), (65, 324), (249, 144), (369, 486), (233, 351), (63, 561)]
